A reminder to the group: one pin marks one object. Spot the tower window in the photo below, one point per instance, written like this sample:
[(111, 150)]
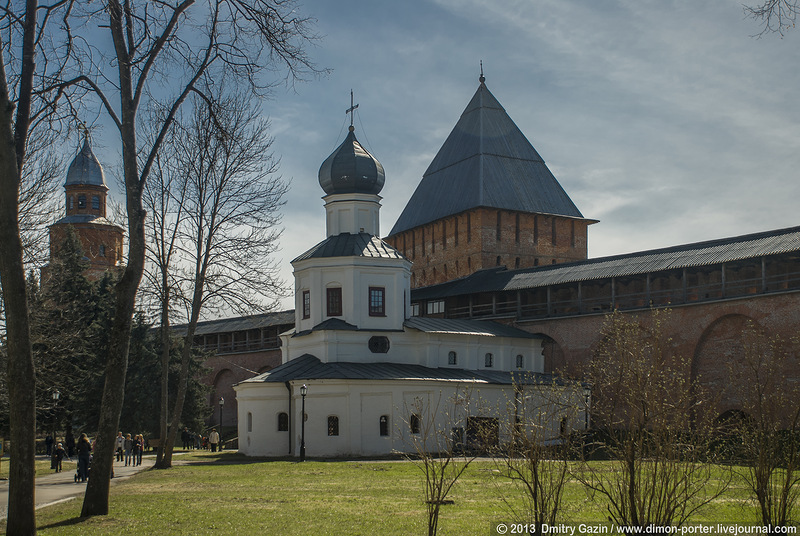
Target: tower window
[(572, 233), (102, 250), (488, 360), (455, 232), (516, 228), (452, 358), (498, 260), (516, 262), (334, 301), (306, 304), (377, 301), (70, 203), (520, 361), (444, 235), (333, 425), (249, 421), (96, 202), (555, 232), (498, 225), (535, 229), (81, 201), (469, 227)]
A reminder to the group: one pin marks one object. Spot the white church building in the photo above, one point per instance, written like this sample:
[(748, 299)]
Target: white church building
[(376, 379)]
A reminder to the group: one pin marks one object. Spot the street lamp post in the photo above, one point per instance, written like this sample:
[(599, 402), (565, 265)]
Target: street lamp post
[(221, 403), (303, 392), (56, 396)]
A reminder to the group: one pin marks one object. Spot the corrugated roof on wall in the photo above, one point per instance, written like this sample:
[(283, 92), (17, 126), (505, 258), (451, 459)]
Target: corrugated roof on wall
[(677, 257), (241, 323)]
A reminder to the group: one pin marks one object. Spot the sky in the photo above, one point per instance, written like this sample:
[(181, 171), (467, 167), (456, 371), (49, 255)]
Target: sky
[(669, 121)]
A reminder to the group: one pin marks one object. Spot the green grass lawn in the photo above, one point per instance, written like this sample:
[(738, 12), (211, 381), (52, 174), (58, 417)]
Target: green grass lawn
[(231, 494), (42, 466)]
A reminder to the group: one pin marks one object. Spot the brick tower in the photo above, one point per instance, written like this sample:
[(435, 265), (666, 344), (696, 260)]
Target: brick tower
[(86, 195), (487, 200)]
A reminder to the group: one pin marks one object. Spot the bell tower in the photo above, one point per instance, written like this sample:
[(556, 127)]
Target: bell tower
[(86, 195)]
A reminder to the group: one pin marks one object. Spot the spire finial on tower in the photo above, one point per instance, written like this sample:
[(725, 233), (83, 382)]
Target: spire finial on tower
[(351, 111), (482, 78)]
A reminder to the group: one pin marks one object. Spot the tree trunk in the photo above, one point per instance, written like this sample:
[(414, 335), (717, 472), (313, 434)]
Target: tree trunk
[(95, 501), (164, 459), (21, 377)]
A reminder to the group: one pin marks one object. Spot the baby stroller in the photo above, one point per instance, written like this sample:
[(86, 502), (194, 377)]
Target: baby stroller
[(78, 472)]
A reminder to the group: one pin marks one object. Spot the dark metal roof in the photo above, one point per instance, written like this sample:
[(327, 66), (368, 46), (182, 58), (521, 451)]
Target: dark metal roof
[(351, 169), (467, 327), (87, 218), (351, 245), (486, 161), (241, 323), (308, 367), (677, 257), (85, 168)]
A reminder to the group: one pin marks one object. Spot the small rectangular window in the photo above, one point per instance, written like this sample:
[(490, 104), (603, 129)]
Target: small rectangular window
[(435, 307), (377, 303), (520, 361), (334, 301), (488, 361), (96, 202), (452, 358), (333, 425), (306, 304), (414, 309), (81, 201)]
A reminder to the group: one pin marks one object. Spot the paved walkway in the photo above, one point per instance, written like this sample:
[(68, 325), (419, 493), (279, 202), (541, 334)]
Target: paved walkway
[(52, 488)]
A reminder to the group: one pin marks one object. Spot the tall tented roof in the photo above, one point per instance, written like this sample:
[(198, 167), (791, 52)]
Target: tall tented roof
[(486, 161), (85, 168), (351, 169)]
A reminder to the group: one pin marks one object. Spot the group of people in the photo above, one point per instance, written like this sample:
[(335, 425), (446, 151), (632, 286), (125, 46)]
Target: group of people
[(129, 448), (192, 440), (57, 454)]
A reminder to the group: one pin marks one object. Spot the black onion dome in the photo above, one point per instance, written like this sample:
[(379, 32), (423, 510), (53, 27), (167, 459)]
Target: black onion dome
[(351, 169), (85, 168)]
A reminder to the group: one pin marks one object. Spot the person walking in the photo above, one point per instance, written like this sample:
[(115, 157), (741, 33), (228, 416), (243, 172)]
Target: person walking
[(213, 438), (84, 457), (58, 456), (119, 447), (138, 445), (128, 446)]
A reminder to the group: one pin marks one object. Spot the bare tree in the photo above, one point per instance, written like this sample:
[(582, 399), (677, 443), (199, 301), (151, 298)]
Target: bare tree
[(536, 459), (27, 103), (654, 423), (163, 52), (776, 16), (766, 384), (215, 227), (436, 434)]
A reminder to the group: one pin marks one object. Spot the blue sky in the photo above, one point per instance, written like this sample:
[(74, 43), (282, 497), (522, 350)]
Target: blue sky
[(665, 120)]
